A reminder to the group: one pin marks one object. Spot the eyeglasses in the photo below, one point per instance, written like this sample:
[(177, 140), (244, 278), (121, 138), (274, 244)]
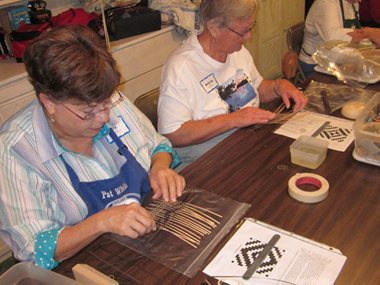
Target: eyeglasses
[(245, 32), (115, 99)]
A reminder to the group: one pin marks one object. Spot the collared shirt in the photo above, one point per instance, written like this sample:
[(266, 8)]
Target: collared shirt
[(36, 195)]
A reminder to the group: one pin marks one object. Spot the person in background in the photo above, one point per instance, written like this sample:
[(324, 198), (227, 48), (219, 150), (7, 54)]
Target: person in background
[(210, 85), (332, 20), (77, 162), (369, 11)]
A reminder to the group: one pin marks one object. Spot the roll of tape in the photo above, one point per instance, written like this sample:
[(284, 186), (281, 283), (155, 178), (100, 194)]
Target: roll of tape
[(308, 196)]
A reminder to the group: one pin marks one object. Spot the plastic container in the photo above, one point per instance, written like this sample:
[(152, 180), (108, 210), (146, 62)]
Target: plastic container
[(28, 274), (367, 132), (308, 151)]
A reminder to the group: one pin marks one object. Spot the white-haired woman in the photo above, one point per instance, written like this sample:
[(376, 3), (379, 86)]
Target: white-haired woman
[(210, 85)]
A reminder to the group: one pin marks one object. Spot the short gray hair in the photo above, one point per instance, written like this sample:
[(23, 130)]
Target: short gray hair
[(222, 12)]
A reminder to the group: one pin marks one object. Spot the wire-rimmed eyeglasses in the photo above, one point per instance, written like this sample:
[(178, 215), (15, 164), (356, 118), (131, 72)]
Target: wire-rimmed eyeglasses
[(245, 32), (115, 99)]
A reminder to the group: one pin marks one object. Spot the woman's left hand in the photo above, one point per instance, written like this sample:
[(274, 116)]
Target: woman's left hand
[(164, 181)]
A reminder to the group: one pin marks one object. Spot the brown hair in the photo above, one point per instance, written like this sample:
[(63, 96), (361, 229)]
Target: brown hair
[(222, 12), (71, 63)]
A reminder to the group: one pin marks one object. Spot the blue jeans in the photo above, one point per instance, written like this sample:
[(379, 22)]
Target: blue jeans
[(308, 69)]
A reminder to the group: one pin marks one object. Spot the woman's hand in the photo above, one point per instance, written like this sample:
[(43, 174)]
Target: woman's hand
[(164, 181), (287, 91), (250, 115), (130, 220), (372, 34)]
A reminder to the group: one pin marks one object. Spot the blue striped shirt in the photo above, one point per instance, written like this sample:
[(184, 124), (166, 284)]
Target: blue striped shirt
[(37, 197)]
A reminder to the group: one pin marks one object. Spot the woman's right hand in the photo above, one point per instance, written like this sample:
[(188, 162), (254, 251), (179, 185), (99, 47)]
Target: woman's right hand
[(251, 115), (372, 34), (130, 220)]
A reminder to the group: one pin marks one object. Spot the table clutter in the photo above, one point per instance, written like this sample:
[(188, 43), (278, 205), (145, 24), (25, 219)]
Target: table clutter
[(327, 235)]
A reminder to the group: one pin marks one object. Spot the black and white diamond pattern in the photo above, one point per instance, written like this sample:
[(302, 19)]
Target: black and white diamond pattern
[(249, 252), (335, 133)]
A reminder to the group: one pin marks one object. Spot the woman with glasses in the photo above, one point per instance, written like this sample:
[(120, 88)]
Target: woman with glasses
[(77, 162), (210, 85)]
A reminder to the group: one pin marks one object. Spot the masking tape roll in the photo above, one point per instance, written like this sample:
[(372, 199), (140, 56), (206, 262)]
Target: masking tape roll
[(308, 196)]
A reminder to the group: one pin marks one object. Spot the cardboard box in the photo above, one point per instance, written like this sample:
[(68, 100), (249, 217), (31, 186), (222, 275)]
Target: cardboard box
[(17, 16)]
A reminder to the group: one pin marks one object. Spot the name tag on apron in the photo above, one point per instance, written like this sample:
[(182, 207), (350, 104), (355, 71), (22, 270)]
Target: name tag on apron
[(120, 129), (209, 83)]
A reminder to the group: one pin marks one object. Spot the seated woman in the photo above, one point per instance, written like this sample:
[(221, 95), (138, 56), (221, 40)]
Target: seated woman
[(332, 20), (77, 162), (210, 85)]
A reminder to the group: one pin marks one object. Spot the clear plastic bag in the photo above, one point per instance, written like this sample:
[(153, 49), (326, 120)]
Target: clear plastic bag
[(168, 249), (336, 96), (354, 64)]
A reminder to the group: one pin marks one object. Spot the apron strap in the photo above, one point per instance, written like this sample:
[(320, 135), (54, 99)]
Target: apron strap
[(342, 10), (73, 176), (348, 23), (123, 149)]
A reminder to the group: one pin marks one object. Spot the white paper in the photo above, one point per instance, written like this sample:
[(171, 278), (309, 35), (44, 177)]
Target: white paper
[(293, 260), (339, 132)]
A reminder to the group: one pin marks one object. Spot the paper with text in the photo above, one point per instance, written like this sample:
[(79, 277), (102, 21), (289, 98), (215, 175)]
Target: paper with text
[(293, 260), (339, 132)]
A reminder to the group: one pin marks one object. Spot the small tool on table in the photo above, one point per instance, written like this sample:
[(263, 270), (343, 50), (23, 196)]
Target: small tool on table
[(325, 102), (320, 129), (256, 264)]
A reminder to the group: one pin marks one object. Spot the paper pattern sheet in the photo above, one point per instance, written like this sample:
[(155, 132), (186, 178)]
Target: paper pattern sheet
[(293, 260), (339, 132)]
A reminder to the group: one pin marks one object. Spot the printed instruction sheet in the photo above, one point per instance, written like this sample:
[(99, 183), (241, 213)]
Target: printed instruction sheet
[(338, 132), (293, 259)]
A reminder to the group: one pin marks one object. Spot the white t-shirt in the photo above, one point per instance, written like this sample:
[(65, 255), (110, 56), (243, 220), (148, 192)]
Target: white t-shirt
[(196, 87), (324, 22)]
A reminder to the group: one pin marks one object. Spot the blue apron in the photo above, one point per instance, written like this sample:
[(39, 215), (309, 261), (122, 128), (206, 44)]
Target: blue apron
[(130, 185)]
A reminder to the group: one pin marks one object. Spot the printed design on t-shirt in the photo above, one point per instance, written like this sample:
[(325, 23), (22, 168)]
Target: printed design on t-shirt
[(237, 91)]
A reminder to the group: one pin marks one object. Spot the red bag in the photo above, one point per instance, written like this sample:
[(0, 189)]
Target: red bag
[(73, 17), (28, 32), (24, 35)]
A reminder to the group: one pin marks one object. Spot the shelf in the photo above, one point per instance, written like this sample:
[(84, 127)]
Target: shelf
[(130, 41), (16, 71), (13, 71), (8, 2)]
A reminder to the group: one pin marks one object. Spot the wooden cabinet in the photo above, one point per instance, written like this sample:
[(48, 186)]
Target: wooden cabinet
[(268, 42), (139, 60)]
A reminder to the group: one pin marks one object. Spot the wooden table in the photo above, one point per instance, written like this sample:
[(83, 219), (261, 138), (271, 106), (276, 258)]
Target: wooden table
[(248, 167)]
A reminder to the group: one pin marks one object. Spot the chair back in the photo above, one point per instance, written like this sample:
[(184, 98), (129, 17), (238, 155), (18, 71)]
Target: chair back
[(289, 64), (147, 103), (294, 37)]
